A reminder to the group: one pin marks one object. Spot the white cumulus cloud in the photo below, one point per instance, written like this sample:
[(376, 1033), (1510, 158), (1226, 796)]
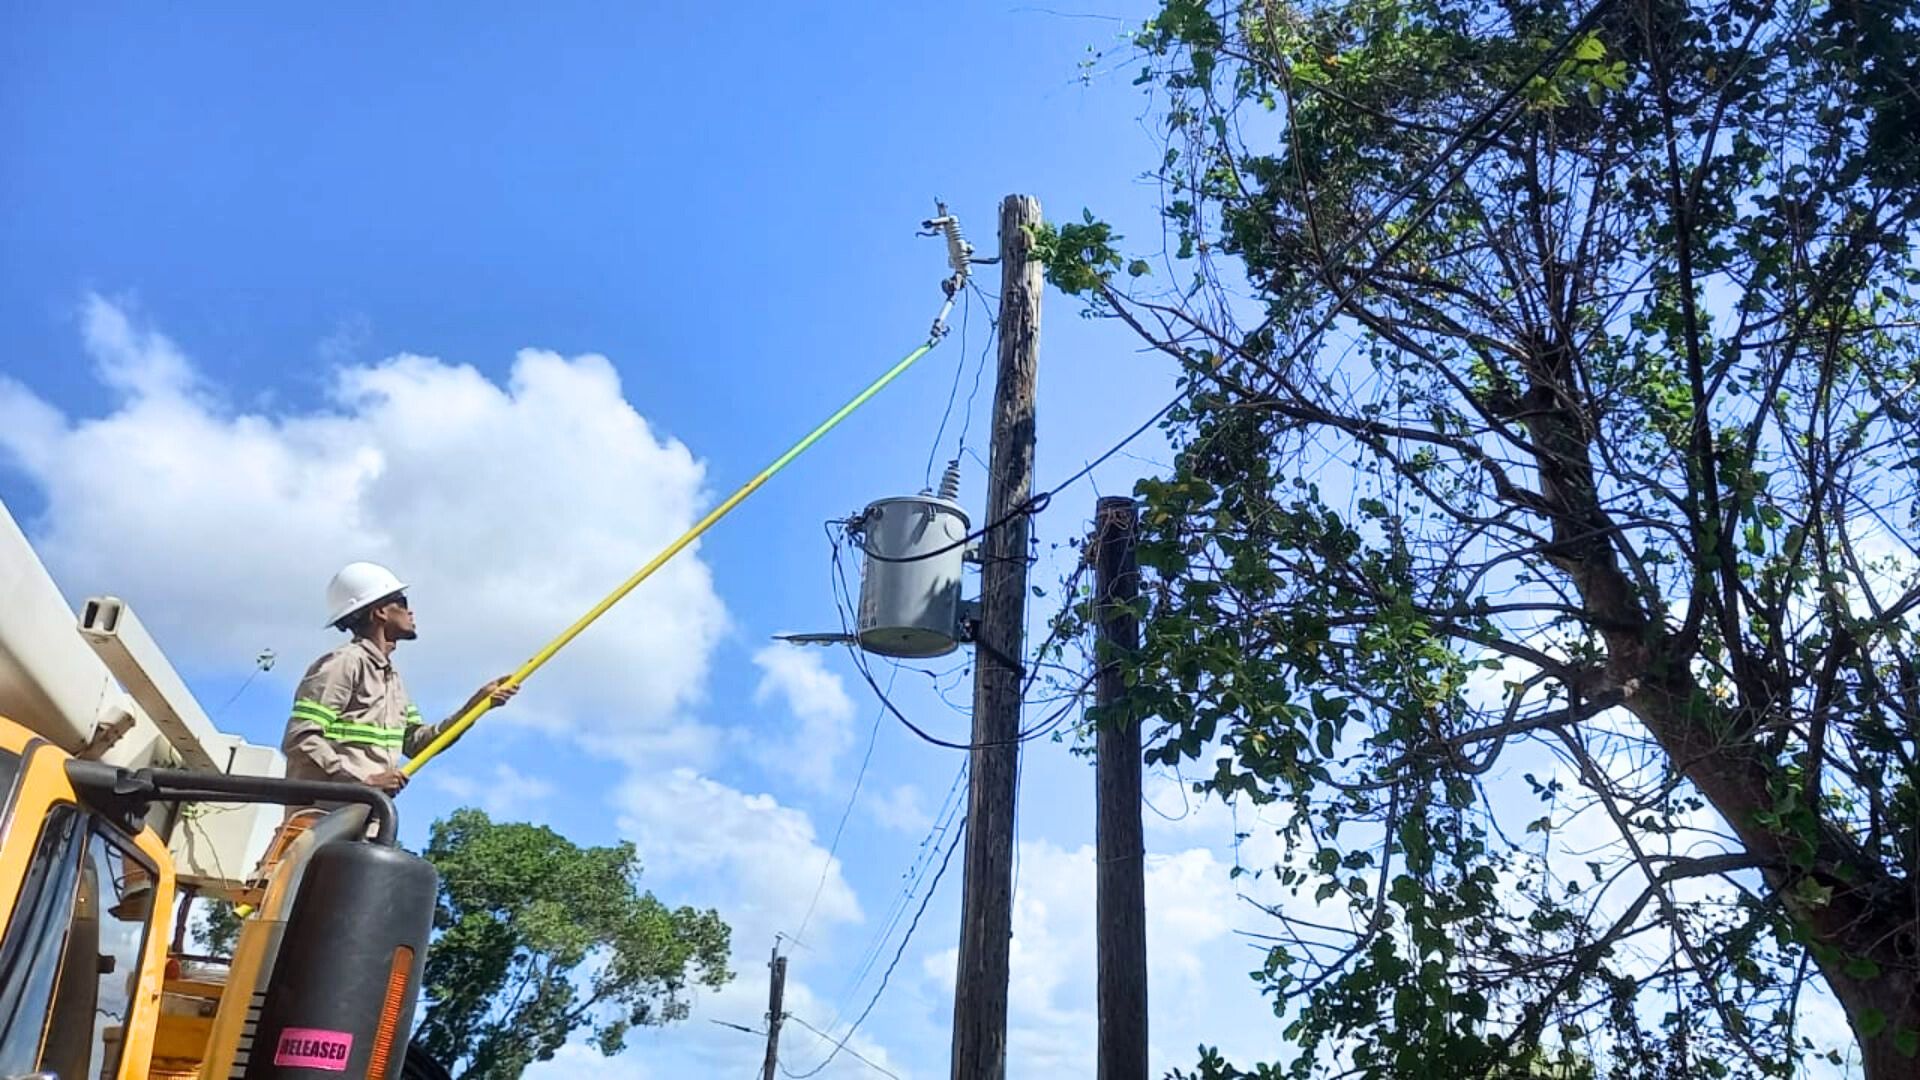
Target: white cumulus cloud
[(817, 698), (1050, 994), (506, 793), (509, 509), (763, 866), (900, 808), (766, 853)]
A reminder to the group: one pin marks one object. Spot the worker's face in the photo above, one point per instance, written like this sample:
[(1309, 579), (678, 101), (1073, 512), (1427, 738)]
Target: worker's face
[(397, 615)]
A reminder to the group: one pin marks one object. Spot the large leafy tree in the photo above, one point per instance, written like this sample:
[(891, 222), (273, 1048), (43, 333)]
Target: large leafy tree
[(1549, 463), (539, 938)]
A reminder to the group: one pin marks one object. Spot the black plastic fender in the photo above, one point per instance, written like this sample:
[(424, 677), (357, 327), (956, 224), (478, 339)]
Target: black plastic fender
[(341, 998)]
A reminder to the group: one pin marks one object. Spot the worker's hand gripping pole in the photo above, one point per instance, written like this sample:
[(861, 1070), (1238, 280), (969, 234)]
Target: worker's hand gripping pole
[(957, 254)]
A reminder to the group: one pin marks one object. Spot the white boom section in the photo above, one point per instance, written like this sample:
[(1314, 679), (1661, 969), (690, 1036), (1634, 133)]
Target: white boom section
[(215, 845), (120, 701), (123, 644), (49, 680)]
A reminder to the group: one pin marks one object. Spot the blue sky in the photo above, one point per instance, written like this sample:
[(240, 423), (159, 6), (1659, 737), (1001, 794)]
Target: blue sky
[(266, 281), (506, 297)]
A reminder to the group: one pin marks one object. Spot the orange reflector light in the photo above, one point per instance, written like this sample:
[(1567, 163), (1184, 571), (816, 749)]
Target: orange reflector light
[(397, 978)]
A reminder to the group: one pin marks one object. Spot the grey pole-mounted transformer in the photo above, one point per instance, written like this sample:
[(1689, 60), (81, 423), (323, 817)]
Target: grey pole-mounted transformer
[(916, 546), (916, 550)]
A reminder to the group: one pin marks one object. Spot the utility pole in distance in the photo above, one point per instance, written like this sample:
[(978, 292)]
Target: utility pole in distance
[(1120, 902), (986, 903), (776, 992)]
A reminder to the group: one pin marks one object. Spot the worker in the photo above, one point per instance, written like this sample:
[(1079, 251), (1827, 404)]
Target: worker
[(352, 718)]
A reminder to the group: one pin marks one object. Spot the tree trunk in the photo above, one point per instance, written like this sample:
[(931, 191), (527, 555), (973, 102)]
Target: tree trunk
[(1868, 914), (1873, 919)]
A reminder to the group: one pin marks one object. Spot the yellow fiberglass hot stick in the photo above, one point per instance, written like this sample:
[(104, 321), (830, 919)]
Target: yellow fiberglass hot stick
[(466, 719), (959, 258)]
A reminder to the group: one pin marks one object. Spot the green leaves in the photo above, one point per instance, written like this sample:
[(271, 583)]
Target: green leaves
[(1612, 403), (1907, 1041), (538, 937), (1078, 256), (1872, 1023), (1860, 967), (1586, 68)]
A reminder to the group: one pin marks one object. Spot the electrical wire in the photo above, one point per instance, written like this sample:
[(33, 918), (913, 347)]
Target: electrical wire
[(873, 736), (979, 366), (881, 1069), (1038, 503), (842, 601), (956, 252), (1469, 133), (1040, 730), (1034, 504), (958, 835), (916, 873), (222, 710), (263, 661), (1067, 588)]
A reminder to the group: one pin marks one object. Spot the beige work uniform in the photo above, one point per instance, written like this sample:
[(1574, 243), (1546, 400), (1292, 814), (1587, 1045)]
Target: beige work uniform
[(352, 718)]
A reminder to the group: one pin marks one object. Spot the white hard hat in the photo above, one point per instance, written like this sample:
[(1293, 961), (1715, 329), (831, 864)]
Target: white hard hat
[(357, 585)]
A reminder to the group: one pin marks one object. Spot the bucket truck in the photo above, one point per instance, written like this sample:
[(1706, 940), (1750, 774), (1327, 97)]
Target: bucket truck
[(119, 802)]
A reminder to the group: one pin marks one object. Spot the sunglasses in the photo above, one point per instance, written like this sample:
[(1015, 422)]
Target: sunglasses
[(401, 600)]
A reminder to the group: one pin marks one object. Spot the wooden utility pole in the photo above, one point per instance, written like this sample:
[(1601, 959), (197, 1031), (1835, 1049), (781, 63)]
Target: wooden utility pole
[(1120, 902), (776, 991), (986, 904)]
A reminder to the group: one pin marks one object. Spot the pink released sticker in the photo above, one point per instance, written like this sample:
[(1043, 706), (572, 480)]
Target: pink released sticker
[(313, 1048)]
